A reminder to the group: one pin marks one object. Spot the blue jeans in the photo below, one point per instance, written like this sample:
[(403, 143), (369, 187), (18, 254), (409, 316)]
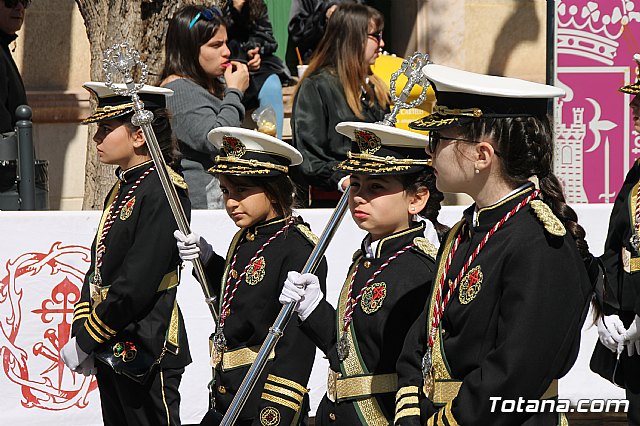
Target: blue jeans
[(271, 94)]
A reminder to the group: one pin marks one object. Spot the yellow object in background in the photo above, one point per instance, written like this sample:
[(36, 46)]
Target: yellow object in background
[(385, 66)]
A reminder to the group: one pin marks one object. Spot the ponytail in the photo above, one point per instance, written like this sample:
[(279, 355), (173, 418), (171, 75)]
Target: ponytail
[(426, 179)]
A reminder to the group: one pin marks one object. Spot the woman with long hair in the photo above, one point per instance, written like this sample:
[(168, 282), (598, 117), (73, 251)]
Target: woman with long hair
[(208, 89), (511, 292), (337, 86)]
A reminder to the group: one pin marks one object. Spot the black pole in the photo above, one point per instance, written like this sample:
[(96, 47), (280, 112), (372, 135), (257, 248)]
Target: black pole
[(551, 57), (26, 165)]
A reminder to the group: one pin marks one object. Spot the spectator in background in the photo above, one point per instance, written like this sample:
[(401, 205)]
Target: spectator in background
[(251, 40), (12, 93), (307, 21), (338, 86), (208, 89)]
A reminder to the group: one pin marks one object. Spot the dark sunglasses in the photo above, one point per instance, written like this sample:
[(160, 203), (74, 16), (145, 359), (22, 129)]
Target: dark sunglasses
[(10, 4), (435, 138), (207, 15), (377, 36)]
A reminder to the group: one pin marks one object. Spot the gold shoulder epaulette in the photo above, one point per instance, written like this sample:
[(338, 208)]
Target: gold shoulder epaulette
[(425, 246), (551, 223), (304, 230), (356, 255), (177, 179)]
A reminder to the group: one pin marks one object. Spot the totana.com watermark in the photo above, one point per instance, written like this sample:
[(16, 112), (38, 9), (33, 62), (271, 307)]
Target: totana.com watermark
[(521, 405)]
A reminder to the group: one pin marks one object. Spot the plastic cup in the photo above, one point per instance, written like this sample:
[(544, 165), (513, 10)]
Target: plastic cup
[(301, 70)]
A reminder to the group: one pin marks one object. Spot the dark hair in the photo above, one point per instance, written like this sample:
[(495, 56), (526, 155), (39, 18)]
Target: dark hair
[(182, 47), (526, 149), (412, 183), (279, 188), (342, 50), (253, 8), (161, 125)]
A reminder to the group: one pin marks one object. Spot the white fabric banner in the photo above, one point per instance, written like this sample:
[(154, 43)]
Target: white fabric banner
[(43, 259)]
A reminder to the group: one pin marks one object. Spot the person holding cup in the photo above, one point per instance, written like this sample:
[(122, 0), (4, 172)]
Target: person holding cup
[(208, 91), (337, 86)]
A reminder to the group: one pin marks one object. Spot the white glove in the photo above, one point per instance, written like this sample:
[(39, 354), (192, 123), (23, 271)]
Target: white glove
[(632, 337), (304, 289), (192, 245), (72, 355), (611, 332), (87, 367)]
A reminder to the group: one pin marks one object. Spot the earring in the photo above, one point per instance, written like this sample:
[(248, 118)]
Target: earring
[(476, 170), (412, 209)]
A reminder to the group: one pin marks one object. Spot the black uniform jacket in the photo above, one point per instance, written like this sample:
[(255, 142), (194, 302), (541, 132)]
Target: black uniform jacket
[(246, 34), (319, 105), (141, 258), (12, 93), (254, 308), (525, 297), (622, 266), (379, 332), (624, 290)]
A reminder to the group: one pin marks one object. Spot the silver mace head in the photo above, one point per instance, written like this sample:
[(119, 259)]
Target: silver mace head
[(412, 68), (120, 60)]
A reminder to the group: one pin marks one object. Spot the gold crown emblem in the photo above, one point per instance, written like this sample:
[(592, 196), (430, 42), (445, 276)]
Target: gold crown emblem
[(233, 146), (367, 141)]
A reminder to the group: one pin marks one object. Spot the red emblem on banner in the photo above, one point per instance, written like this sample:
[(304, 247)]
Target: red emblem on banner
[(37, 295)]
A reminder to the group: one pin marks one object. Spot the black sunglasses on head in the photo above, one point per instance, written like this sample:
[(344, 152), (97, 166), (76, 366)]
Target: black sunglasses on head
[(13, 3)]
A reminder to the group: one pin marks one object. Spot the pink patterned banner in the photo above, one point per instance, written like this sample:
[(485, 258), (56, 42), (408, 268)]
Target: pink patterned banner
[(595, 141)]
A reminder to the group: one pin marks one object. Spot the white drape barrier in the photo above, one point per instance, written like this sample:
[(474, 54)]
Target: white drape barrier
[(43, 258)]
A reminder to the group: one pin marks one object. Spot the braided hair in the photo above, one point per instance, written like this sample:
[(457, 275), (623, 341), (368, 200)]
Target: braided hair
[(526, 149)]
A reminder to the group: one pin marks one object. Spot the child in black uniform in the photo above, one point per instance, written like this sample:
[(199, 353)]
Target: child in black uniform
[(511, 290), (258, 196), (619, 327), (127, 316), (389, 279)]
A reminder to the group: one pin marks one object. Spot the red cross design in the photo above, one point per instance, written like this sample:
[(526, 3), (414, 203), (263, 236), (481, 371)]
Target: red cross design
[(378, 293), (257, 264), (63, 298), (474, 278)]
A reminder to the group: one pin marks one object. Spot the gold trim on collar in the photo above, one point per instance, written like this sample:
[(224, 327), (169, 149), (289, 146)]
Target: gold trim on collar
[(252, 163), (269, 223), (467, 112), (500, 203), (396, 235)]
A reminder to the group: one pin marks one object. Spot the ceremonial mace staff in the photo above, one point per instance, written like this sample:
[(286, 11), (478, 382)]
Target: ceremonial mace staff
[(122, 59), (412, 68)]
